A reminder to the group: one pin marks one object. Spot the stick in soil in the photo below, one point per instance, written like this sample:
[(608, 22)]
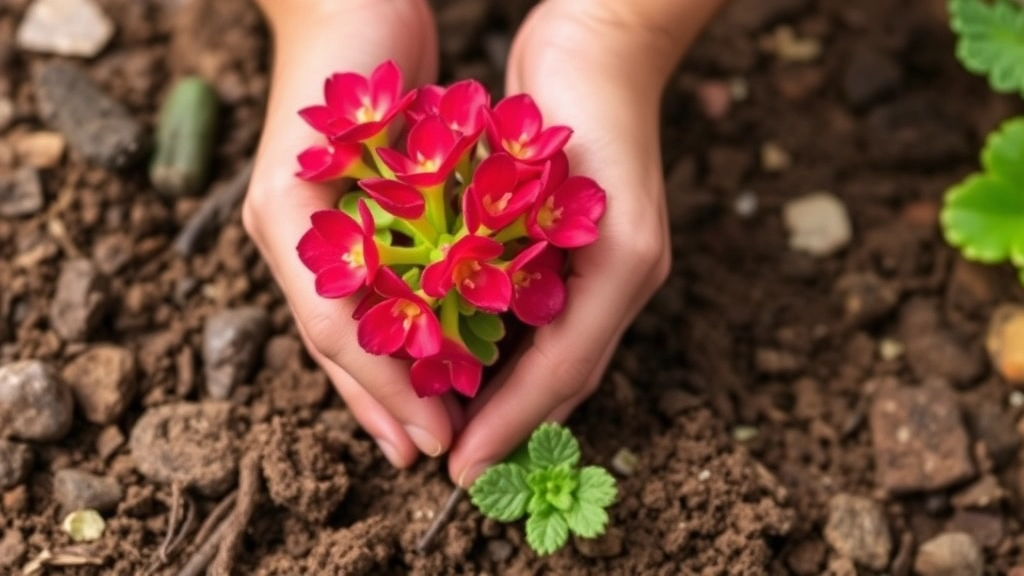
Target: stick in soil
[(209, 535), (213, 212), (441, 520), (248, 490), (181, 504)]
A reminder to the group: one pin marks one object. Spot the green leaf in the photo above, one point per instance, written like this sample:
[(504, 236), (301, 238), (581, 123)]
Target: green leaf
[(486, 352), (554, 486), (984, 215), (991, 41), (349, 204), (586, 519), (552, 444), (521, 456), (487, 327), (501, 492), (547, 533), (596, 486)]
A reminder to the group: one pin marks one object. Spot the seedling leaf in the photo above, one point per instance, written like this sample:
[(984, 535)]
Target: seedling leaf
[(488, 327), (501, 492), (553, 445), (547, 532), (596, 486), (586, 520), (984, 215), (991, 41)]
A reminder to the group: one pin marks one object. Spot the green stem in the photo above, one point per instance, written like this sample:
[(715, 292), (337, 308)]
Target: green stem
[(418, 229), (372, 145), (391, 255), (513, 231), (435, 207), (450, 316)]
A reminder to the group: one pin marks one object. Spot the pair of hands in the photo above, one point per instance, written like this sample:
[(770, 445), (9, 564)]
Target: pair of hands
[(586, 68)]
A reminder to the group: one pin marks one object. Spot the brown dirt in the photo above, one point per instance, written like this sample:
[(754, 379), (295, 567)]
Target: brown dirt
[(746, 333)]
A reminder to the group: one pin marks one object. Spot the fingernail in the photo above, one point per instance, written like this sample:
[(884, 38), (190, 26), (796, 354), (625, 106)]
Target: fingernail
[(423, 440), (470, 472), (390, 452)]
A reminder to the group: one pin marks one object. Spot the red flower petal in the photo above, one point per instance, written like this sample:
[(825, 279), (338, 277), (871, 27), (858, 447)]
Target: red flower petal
[(322, 163), (389, 285), (426, 103), (549, 142), (476, 248), (318, 117), (462, 106), (430, 377), (424, 337), (572, 232), (381, 330), (338, 228), (340, 280), (581, 196), (488, 288), (517, 116), (437, 279), (385, 85), (317, 253), (466, 376), (430, 140), (497, 173), (396, 161), (346, 93), (541, 298), (398, 198)]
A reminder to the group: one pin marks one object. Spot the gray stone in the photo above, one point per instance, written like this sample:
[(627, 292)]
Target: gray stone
[(103, 382), (21, 193), (15, 463), (818, 224), (950, 554), (95, 125), (78, 490), (232, 343), (857, 529), (79, 301), (65, 28), (35, 404)]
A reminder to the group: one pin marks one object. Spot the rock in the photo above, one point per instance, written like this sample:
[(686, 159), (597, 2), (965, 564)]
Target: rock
[(996, 429), (818, 224), (96, 125), (21, 193), (499, 550), (192, 444), (109, 441), (870, 74), (1005, 342), (857, 529), (788, 47), (608, 545), (950, 554), (866, 297), (302, 472), (39, 149), (15, 463), (64, 27), (35, 404), (12, 548), (232, 342), (103, 382), (983, 493), (6, 113), (112, 252), (79, 301), (624, 462), (78, 490), (774, 158), (919, 439), (932, 350), (841, 567), (984, 526)]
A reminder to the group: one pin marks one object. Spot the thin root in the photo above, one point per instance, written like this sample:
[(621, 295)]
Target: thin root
[(440, 520)]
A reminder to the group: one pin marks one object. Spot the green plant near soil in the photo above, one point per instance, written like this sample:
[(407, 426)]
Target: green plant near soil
[(542, 481), (983, 215)]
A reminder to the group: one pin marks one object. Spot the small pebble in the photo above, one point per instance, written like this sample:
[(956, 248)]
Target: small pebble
[(1016, 399), (21, 193), (714, 98), (103, 382), (746, 204), (232, 343), (818, 224), (499, 550), (787, 46), (704, 475), (950, 554), (84, 525), (35, 404), (109, 441), (78, 490), (608, 545), (889, 349), (79, 301), (64, 27), (1005, 342), (40, 149), (857, 529), (774, 158), (744, 434), (15, 463), (624, 462)]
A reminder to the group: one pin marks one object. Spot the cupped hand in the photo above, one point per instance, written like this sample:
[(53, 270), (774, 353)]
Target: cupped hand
[(602, 76), (313, 39)]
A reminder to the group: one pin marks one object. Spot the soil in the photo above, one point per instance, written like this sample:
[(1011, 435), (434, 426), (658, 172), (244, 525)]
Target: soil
[(758, 384)]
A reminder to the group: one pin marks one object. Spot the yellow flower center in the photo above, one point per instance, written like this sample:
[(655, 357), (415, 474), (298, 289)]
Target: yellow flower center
[(548, 214), (495, 207), (517, 148), (354, 257), (408, 309), (464, 272)]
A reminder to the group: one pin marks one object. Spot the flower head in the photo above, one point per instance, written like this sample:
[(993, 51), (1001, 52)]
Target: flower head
[(323, 163), (432, 151), (398, 198), (566, 214), (461, 107), (358, 108), (467, 267), (340, 251), (516, 126), (538, 293), (400, 321), (498, 193), (452, 367)]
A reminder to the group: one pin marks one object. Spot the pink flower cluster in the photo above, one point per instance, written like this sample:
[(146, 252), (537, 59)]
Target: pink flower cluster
[(467, 221)]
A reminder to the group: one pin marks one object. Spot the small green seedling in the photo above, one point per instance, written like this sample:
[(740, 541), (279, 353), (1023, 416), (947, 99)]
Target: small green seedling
[(542, 481), (983, 216)]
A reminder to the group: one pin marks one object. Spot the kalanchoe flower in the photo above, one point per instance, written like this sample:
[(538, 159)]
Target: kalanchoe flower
[(340, 251), (358, 108), (461, 107), (467, 267), (452, 367), (432, 151), (538, 293), (400, 322), (323, 163), (498, 194), (398, 198), (516, 126), (566, 214)]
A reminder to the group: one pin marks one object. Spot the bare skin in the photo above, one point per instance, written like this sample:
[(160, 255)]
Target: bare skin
[(598, 66)]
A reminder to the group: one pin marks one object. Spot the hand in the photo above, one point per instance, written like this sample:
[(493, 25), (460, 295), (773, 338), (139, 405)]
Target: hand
[(315, 38), (603, 77)]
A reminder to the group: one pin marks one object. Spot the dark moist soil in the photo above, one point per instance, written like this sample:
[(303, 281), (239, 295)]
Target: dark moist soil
[(746, 389)]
